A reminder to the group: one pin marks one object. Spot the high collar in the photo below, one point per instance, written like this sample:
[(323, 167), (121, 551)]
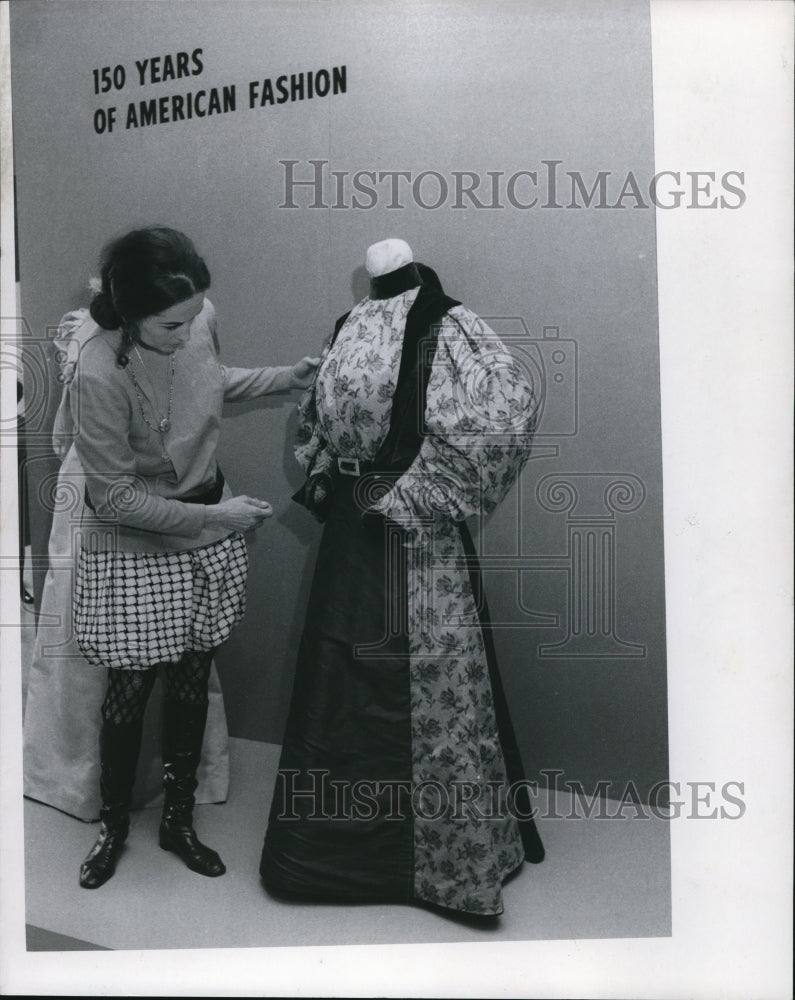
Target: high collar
[(387, 286)]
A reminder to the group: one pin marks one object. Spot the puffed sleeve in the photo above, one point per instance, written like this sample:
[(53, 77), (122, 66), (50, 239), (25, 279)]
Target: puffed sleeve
[(314, 454), (67, 344), (101, 416), (247, 383), (480, 416)]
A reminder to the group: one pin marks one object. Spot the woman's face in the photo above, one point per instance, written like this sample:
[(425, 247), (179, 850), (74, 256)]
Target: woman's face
[(169, 330)]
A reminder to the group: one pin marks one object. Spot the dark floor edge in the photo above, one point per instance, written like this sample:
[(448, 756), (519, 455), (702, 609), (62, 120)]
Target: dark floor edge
[(39, 939)]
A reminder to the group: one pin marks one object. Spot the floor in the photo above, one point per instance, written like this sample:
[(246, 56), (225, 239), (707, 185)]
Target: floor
[(601, 879)]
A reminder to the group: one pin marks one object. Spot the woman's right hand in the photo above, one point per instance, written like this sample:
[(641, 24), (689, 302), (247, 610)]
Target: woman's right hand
[(240, 513)]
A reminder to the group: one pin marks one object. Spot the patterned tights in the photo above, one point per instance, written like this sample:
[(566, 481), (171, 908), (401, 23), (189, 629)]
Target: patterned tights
[(128, 690)]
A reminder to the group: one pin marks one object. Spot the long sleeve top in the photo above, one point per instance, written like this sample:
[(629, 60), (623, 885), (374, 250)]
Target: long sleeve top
[(480, 413), (134, 475)]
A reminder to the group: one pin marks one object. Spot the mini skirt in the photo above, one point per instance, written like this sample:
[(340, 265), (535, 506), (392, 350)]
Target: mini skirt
[(134, 610)]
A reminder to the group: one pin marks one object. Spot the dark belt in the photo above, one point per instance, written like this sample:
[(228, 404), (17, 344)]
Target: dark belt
[(209, 496), (316, 493), (354, 468)]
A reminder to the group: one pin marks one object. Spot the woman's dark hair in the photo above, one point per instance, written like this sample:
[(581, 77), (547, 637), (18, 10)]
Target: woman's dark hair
[(142, 273)]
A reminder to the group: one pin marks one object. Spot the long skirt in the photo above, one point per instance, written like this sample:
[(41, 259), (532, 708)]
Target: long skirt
[(400, 778), (64, 694)]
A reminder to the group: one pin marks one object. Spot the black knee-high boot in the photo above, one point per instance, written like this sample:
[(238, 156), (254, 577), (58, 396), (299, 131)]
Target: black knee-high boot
[(120, 746), (183, 734)]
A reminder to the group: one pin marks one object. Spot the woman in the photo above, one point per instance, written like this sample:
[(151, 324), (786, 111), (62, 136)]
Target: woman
[(400, 777), (161, 573)]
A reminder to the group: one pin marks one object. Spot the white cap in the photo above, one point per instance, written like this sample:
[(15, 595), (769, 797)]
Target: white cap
[(387, 256)]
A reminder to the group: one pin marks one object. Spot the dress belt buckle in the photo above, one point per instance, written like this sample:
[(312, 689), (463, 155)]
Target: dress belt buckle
[(348, 466)]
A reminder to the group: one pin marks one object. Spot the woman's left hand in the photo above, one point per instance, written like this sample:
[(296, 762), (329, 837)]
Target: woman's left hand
[(304, 371)]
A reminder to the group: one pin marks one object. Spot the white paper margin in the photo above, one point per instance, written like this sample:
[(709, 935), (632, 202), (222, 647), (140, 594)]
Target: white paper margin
[(722, 100)]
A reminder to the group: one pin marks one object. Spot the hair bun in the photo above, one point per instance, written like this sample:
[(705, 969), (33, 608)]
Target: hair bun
[(103, 312)]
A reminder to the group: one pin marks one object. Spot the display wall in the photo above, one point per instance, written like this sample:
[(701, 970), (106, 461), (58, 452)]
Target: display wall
[(439, 123)]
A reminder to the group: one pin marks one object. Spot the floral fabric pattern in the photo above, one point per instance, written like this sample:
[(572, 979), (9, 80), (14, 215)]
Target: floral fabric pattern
[(480, 416), (461, 857), (357, 379)]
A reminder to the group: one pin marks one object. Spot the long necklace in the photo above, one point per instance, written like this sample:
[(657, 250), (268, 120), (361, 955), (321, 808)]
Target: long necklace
[(164, 424)]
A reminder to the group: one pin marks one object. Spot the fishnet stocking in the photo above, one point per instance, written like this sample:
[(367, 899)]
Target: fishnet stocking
[(128, 690), (126, 695), (186, 680)]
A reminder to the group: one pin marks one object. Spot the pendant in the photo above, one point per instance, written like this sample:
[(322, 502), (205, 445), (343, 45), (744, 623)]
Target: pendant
[(164, 425)]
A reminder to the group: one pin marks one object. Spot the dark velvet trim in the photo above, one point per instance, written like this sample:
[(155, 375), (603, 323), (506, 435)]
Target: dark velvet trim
[(407, 421), (350, 717), (338, 326), (531, 841), (387, 286)]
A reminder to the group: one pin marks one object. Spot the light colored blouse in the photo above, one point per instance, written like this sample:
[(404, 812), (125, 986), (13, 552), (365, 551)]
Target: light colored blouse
[(133, 474)]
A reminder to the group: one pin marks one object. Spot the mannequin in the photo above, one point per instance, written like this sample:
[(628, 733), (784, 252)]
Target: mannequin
[(397, 709)]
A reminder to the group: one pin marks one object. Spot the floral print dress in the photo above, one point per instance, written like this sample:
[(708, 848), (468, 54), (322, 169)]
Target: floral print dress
[(479, 418)]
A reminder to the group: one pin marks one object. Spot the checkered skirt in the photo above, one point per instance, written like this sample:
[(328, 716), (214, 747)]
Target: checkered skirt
[(133, 610)]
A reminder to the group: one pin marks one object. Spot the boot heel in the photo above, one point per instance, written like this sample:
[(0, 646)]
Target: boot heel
[(118, 755), (100, 863), (183, 842), (183, 734)]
